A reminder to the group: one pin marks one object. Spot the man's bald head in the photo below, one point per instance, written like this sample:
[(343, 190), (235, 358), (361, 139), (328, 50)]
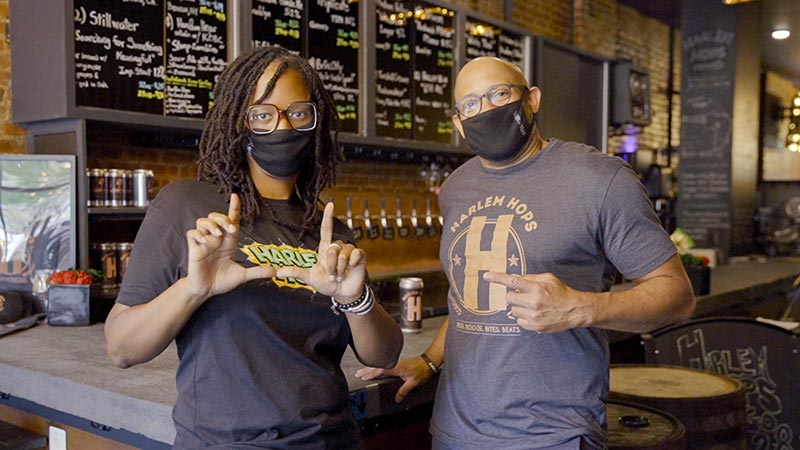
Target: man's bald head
[(483, 72)]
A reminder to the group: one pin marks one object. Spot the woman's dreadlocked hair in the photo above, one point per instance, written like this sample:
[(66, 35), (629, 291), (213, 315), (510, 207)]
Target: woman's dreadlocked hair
[(223, 158)]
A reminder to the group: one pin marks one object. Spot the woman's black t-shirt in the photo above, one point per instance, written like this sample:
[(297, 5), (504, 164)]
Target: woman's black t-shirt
[(259, 365)]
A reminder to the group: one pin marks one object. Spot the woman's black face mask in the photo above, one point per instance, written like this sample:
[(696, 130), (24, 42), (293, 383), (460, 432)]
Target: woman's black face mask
[(282, 152), (499, 134)]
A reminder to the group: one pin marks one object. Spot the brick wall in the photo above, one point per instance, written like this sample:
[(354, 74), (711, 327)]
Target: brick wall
[(12, 137)]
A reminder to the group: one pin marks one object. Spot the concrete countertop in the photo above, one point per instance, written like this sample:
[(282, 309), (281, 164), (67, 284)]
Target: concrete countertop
[(66, 368)]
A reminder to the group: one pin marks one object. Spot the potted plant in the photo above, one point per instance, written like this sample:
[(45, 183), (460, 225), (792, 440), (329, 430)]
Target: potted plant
[(68, 298), (698, 271)]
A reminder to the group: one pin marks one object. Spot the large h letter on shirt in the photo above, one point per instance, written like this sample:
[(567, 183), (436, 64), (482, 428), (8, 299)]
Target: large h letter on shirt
[(493, 259)]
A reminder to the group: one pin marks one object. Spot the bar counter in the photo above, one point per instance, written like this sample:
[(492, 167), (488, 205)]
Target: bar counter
[(64, 375)]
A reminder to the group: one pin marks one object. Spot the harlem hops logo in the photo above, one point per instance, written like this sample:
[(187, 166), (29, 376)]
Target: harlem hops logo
[(483, 246)]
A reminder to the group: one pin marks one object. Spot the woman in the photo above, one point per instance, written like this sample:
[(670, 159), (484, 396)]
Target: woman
[(244, 293)]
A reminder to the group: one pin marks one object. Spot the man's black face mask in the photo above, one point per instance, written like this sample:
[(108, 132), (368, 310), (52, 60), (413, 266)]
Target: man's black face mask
[(281, 152), (499, 134)]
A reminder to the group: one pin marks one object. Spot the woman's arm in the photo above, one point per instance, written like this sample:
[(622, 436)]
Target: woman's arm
[(137, 334)]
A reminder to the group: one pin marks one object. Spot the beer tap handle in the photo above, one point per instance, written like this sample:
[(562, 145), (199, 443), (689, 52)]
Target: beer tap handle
[(419, 231), (349, 213), (432, 231), (402, 230), (372, 231), (388, 230), (358, 232)]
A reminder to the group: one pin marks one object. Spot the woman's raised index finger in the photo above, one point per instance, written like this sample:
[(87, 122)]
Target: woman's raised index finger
[(326, 227), (235, 209)]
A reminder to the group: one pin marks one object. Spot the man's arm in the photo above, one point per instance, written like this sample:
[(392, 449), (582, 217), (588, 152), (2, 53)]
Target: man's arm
[(543, 303), (413, 371)]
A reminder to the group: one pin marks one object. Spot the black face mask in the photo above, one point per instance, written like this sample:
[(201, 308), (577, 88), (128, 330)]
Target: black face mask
[(282, 152), (499, 134)]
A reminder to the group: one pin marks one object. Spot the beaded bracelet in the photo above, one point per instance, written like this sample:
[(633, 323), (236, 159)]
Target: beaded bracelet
[(360, 306)]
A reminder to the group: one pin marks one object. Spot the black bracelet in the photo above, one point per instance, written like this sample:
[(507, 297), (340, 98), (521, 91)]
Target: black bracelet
[(361, 305), (430, 363)]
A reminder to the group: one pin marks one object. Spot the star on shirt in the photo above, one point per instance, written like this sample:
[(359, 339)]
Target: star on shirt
[(513, 260), (456, 260)]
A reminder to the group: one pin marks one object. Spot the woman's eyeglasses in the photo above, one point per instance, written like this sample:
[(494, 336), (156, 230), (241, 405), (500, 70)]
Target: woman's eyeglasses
[(263, 118), (497, 95)]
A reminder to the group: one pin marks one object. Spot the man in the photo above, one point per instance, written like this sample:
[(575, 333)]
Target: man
[(534, 232)]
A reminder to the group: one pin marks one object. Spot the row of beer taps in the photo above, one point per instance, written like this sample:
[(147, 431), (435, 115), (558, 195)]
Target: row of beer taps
[(387, 226)]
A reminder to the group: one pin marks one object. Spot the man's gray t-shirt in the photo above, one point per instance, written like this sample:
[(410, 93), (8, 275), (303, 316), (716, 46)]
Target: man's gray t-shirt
[(570, 211)]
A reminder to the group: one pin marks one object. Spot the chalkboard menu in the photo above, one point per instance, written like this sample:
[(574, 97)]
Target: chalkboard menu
[(708, 70), (326, 33), (119, 56), (279, 24), (414, 42), (485, 39), (433, 72), (196, 54), (393, 89), (333, 51), (150, 56)]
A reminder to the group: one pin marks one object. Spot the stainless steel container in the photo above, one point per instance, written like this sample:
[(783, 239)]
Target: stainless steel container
[(143, 181), (411, 304)]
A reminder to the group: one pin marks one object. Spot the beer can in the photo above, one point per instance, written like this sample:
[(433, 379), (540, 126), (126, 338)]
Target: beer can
[(143, 180), (411, 304), (115, 188), (97, 187), (123, 256), (107, 256), (127, 194)]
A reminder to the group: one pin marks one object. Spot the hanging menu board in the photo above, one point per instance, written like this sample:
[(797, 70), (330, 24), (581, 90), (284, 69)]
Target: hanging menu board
[(484, 39), (393, 70), (333, 51), (119, 56), (196, 54), (149, 56), (480, 39), (279, 23), (433, 72)]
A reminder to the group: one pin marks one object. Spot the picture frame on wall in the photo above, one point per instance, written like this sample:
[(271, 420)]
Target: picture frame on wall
[(38, 230)]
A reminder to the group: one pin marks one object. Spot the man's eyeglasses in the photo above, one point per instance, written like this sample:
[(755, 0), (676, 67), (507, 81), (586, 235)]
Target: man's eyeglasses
[(497, 95), (264, 118)]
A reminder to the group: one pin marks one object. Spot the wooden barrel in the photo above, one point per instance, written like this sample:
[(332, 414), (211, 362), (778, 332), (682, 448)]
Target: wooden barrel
[(638, 427), (710, 406)]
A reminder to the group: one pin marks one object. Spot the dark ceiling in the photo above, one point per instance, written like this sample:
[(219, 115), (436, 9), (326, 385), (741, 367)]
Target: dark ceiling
[(779, 56)]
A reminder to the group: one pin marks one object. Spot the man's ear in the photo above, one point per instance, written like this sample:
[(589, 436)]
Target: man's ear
[(534, 98), (457, 123)]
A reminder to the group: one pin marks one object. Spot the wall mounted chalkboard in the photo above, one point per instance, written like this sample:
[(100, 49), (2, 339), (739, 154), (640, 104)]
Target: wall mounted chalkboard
[(149, 56), (324, 32), (486, 39)]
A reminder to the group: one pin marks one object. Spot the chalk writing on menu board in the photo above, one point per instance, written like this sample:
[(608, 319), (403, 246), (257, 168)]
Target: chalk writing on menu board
[(119, 55), (151, 56), (195, 38), (333, 51), (433, 72), (484, 39), (393, 70), (279, 23)]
